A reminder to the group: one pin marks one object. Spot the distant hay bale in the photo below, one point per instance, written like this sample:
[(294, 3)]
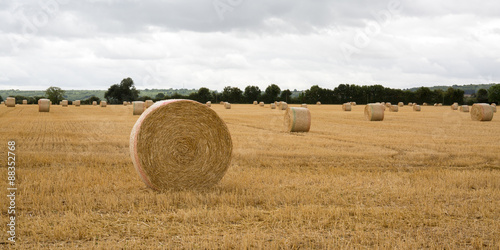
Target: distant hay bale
[(494, 108), (346, 107), (138, 107), (353, 103), (416, 108), (77, 103), (440, 104), (227, 105), (255, 103), (104, 104), (148, 103), (424, 104), (276, 103), (64, 103), (318, 103), (180, 144), (10, 102), (464, 108), (394, 108), (125, 103), (222, 103), (401, 104), (435, 104), (297, 119), (374, 112), (494, 104), (43, 105), (209, 104), (273, 106), (454, 106), (283, 106), (25, 102), (304, 105), (94, 103), (261, 104), (481, 112), (410, 104)]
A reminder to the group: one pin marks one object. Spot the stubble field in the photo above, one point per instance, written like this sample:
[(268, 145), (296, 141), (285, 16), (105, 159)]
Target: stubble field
[(428, 179)]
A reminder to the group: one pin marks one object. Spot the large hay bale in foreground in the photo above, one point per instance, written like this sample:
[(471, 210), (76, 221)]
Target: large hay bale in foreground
[(227, 105), (481, 112), (454, 106), (10, 102), (43, 105), (255, 103), (393, 108), (64, 103), (104, 104), (94, 103), (297, 119), (77, 103), (261, 104), (346, 106), (138, 107), (464, 108), (148, 103), (25, 102), (180, 144), (374, 112), (401, 104), (416, 108), (273, 106)]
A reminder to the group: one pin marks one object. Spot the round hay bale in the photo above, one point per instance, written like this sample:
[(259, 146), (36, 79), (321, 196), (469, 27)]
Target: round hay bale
[(304, 105), (64, 103), (318, 103), (481, 112), (3, 102), (464, 108), (440, 104), (10, 102), (388, 104), (25, 102), (138, 107), (227, 105), (209, 104), (346, 107), (273, 106), (353, 103), (104, 104), (222, 103), (494, 108), (454, 106), (297, 119), (94, 103), (125, 103), (255, 103), (410, 104), (43, 105), (283, 106), (416, 108), (148, 103), (394, 108), (276, 103), (77, 103), (424, 104), (180, 144), (401, 104), (261, 104), (374, 112), (494, 104)]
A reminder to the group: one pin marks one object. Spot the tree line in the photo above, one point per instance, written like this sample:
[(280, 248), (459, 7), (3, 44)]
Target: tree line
[(126, 91)]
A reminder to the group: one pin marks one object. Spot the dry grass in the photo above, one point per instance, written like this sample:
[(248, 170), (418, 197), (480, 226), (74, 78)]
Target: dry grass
[(415, 180)]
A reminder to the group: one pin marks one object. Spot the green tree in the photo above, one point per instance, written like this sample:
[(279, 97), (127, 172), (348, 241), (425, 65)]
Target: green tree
[(55, 94), (482, 95), (252, 93), (125, 91), (232, 95), (494, 93), (286, 95), (91, 99), (159, 96), (204, 95), (423, 94), (453, 95), (271, 93)]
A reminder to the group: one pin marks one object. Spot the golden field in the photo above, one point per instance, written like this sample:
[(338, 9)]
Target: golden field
[(428, 179)]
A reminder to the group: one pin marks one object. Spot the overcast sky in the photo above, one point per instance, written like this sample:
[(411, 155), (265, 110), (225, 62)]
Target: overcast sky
[(215, 43)]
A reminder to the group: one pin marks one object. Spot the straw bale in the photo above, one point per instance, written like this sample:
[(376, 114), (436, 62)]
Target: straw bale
[(393, 108), (10, 102), (138, 107), (43, 105), (297, 119), (401, 104), (481, 112), (273, 106), (346, 106), (374, 112), (464, 108), (148, 103), (304, 105), (104, 104), (209, 104), (227, 105), (416, 108), (77, 103)]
